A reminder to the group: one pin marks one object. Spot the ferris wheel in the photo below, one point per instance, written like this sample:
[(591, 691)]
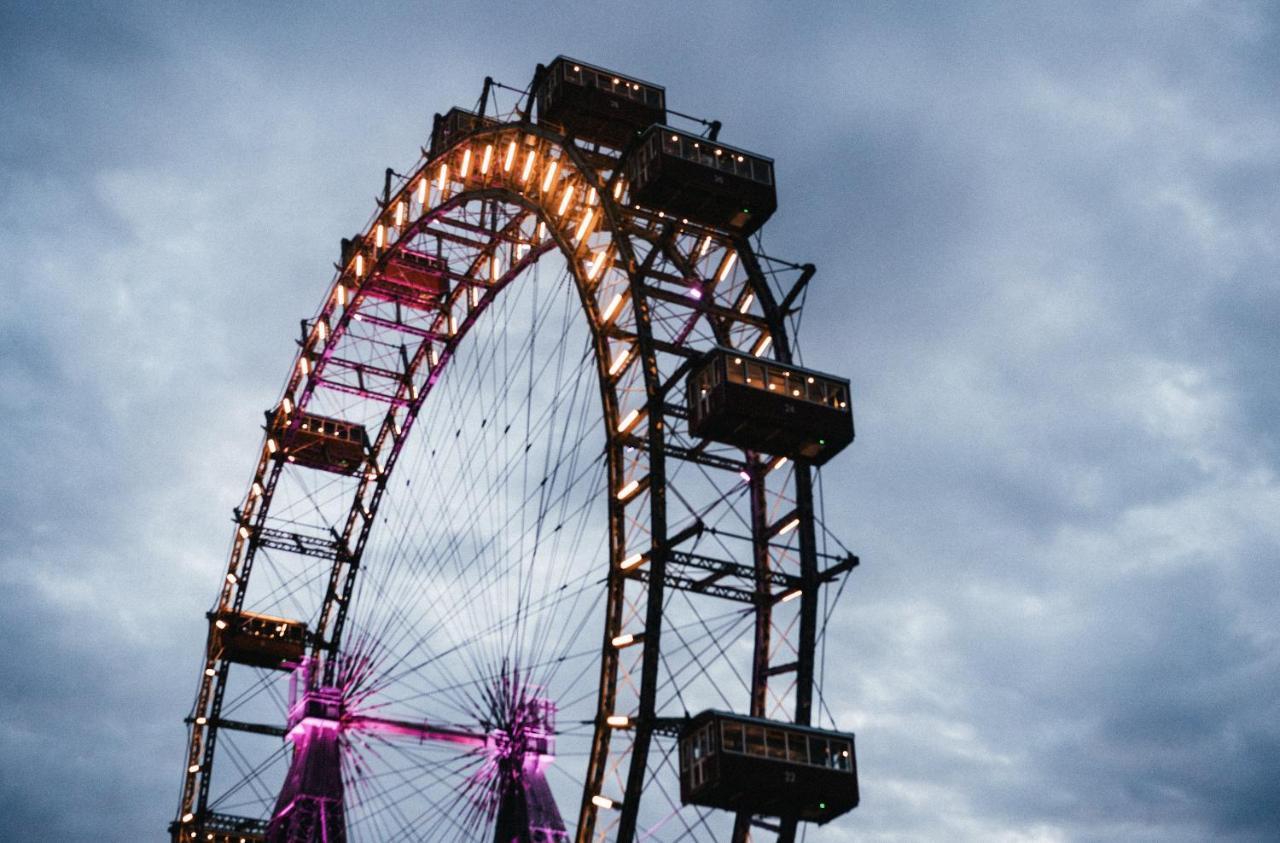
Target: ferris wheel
[(532, 549)]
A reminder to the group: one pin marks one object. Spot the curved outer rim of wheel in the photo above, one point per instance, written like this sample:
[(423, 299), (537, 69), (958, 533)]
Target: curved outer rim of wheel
[(618, 224)]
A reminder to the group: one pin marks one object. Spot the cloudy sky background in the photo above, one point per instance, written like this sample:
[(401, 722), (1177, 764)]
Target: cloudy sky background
[(1048, 251)]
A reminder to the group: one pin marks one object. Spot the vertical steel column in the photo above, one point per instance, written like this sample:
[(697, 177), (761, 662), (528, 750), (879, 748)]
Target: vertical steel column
[(657, 568), (763, 612)]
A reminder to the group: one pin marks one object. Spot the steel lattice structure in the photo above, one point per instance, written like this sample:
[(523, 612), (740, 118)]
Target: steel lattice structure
[(691, 526)]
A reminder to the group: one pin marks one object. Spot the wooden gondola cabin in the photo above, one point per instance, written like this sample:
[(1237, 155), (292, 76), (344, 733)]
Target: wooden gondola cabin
[(705, 181), (454, 125), (411, 279), (739, 763), (319, 442), (769, 407), (260, 640), (597, 105)]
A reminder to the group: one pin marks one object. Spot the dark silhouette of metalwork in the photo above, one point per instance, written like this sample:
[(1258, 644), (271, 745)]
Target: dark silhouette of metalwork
[(697, 378)]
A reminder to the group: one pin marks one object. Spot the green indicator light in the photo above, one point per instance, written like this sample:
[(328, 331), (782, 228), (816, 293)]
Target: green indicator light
[(822, 806), (822, 441)]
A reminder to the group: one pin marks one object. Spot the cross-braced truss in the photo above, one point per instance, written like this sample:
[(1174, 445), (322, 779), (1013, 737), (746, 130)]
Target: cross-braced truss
[(641, 572)]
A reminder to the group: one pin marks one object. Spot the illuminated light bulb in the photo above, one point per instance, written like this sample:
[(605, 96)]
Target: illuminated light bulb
[(400, 212), (789, 526), (762, 345), (186, 818), (220, 623), (444, 177), (740, 158), (773, 387), (550, 176), (694, 293), (208, 671), (790, 595), (778, 463), (486, 159), (511, 156), (359, 266), (255, 489), (585, 225), (746, 303), (795, 392), (200, 721), (380, 235), (728, 266), (843, 404), (244, 532), (593, 197), (634, 559), (194, 768), (322, 331), (564, 200), (628, 490), (602, 801), (719, 152), (631, 418), (495, 270), (675, 137), (528, 167), (341, 296), (466, 162), (231, 578), (624, 640), (617, 189), (702, 247), (286, 405), (618, 721), (304, 365), (422, 191), (577, 69), (453, 324), (746, 478), (616, 80), (811, 379), (597, 263), (609, 311), (619, 362), (271, 446), (541, 231)]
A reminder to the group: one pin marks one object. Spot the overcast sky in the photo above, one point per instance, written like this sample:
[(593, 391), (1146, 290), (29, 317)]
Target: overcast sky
[(1048, 240)]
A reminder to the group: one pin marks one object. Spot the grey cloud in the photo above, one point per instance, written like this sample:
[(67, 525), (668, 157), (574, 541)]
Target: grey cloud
[(1047, 243)]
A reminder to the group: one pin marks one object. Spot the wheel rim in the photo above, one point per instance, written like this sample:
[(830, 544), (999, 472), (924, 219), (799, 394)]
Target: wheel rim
[(655, 293)]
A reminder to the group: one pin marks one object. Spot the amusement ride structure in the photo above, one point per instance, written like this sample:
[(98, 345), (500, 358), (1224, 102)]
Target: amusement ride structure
[(533, 547)]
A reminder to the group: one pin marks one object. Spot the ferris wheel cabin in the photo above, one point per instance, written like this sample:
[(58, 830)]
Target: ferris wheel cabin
[(707, 182), (319, 441), (740, 763), (767, 406), (259, 640), (455, 124), (597, 105)]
